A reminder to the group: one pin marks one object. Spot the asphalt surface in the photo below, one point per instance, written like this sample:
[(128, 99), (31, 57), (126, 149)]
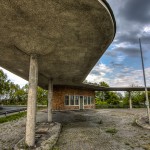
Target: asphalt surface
[(8, 108)]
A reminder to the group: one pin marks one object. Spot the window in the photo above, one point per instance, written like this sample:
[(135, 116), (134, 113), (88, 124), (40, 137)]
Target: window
[(76, 100), (89, 100), (85, 100), (66, 100), (71, 100), (92, 100)]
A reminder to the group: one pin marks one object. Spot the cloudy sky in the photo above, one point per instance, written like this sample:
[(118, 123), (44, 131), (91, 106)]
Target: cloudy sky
[(121, 63)]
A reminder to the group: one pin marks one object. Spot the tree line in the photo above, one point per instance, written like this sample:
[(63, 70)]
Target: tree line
[(13, 94), (116, 99)]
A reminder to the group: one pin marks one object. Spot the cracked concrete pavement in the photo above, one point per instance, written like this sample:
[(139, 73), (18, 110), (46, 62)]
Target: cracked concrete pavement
[(100, 129), (103, 129)]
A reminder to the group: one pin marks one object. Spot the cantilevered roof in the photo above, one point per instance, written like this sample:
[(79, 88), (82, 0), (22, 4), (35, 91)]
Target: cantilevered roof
[(101, 88), (69, 37), (121, 88)]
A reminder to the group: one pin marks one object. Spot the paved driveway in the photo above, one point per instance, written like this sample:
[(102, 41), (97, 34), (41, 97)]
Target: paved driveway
[(105, 129)]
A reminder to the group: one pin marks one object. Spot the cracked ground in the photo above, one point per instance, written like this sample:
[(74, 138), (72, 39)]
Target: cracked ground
[(102, 129)]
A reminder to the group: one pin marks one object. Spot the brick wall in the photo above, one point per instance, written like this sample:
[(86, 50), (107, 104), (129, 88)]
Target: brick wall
[(59, 93)]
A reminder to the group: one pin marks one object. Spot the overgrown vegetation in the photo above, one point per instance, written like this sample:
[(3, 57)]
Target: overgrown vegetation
[(106, 99), (12, 117)]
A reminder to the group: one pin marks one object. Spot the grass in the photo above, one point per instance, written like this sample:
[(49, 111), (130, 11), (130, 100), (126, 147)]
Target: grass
[(12, 117), (112, 130), (55, 148), (134, 123), (126, 143), (100, 122)]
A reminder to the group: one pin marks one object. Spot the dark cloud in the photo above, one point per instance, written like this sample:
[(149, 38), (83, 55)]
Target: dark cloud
[(110, 53), (136, 11), (132, 37), (131, 18), (128, 37), (115, 64), (128, 51), (132, 52)]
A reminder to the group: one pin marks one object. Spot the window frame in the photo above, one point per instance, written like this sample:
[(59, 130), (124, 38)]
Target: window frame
[(74, 100)]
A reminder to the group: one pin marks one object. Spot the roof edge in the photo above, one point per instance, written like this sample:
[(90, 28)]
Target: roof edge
[(112, 14)]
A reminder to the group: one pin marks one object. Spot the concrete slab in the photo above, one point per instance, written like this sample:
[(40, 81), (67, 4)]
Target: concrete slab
[(143, 122), (68, 36)]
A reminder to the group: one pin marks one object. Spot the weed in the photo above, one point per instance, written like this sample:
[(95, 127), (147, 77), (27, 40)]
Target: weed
[(134, 123), (112, 130), (55, 148), (100, 122), (126, 143)]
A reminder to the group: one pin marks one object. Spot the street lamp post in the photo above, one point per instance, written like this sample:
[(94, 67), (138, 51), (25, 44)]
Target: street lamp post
[(146, 93)]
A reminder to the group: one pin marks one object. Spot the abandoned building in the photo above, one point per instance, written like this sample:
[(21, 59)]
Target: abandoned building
[(55, 44)]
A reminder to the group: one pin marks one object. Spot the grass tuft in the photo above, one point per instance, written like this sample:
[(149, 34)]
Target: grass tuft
[(134, 123), (112, 130), (12, 117)]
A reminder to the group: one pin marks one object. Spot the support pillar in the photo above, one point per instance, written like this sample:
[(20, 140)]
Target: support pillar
[(31, 104), (130, 100), (50, 95)]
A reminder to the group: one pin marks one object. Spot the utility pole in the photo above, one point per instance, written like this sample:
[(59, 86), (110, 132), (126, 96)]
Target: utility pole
[(146, 93)]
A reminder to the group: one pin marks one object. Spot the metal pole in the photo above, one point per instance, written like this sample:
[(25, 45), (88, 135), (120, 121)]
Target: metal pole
[(146, 93)]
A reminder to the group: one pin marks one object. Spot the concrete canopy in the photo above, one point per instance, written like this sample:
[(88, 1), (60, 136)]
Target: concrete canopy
[(69, 37)]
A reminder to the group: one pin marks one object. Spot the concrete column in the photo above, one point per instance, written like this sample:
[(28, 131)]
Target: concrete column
[(31, 106), (50, 95), (130, 100)]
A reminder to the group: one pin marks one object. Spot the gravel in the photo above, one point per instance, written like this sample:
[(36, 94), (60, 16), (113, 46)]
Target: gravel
[(12, 132), (103, 129)]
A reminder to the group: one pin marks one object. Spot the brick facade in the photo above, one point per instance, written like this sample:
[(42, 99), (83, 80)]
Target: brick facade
[(59, 93)]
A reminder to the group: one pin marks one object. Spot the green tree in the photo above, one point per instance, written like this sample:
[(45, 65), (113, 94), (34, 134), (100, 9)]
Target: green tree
[(106, 96), (4, 85), (15, 95), (112, 98), (138, 98), (42, 96), (103, 84)]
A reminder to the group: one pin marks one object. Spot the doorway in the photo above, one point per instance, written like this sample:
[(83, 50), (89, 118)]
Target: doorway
[(81, 102)]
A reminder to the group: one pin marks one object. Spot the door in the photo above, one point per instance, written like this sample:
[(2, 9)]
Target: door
[(81, 102)]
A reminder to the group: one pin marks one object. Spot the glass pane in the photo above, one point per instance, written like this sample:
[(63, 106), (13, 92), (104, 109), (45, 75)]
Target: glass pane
[(76, 100), (71, 100), (66, 100), (85, 100), (89, 100), (92, 100)]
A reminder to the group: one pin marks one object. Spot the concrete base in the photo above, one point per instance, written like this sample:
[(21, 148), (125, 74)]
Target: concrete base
[(143, 122), (46, 137)]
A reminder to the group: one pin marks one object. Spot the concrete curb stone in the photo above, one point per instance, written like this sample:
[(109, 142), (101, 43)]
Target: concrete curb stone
[(142, 122), (46, 137)]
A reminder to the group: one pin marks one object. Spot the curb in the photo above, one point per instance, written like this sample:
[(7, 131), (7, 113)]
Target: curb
[(142, 123), (45, 143)]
